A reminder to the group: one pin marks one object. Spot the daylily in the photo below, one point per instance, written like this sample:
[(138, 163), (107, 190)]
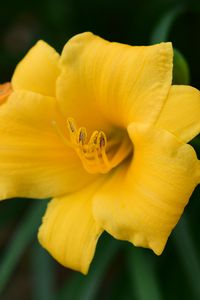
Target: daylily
[(102, 131)]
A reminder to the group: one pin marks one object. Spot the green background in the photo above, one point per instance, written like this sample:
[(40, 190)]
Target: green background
[(119, 270)]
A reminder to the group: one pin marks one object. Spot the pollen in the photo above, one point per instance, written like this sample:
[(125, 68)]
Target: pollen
[(5, 91)]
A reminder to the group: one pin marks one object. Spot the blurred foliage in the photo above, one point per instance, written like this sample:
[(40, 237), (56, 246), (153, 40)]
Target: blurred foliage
[(119, 270)]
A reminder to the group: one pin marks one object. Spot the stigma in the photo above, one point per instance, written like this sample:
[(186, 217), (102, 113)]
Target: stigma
[(5, 91), (98, 155)]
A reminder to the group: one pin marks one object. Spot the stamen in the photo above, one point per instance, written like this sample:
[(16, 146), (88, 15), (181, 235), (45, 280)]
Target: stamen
[(5, 91), (94, 152)]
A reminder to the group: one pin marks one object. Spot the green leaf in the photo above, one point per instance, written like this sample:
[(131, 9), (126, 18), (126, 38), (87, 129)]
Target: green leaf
[(189, 256), (162, 29), (71, 288), (43, 274), (143, 276), (23, 235), (181, 74)]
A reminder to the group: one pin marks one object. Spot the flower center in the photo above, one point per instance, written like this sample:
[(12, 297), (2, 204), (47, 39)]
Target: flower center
[(97, 153), (5, 91)]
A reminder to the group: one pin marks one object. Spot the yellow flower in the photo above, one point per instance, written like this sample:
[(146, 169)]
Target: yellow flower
[(128, 170)]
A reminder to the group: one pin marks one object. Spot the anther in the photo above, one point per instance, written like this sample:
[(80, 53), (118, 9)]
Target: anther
[(102, 140), (82, 135), (71, 125), (94, 138)]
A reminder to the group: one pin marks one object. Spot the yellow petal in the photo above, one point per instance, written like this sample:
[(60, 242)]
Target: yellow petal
[(143, 201), (102, 80), (69, 231), (181, 112), (34, 162), (38, 70)]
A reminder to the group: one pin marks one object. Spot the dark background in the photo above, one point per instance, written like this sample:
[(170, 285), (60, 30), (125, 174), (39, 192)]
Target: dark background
[(119, 270), (23, 22)]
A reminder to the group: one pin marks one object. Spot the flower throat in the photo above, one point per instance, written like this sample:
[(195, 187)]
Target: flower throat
[(97, 153)]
